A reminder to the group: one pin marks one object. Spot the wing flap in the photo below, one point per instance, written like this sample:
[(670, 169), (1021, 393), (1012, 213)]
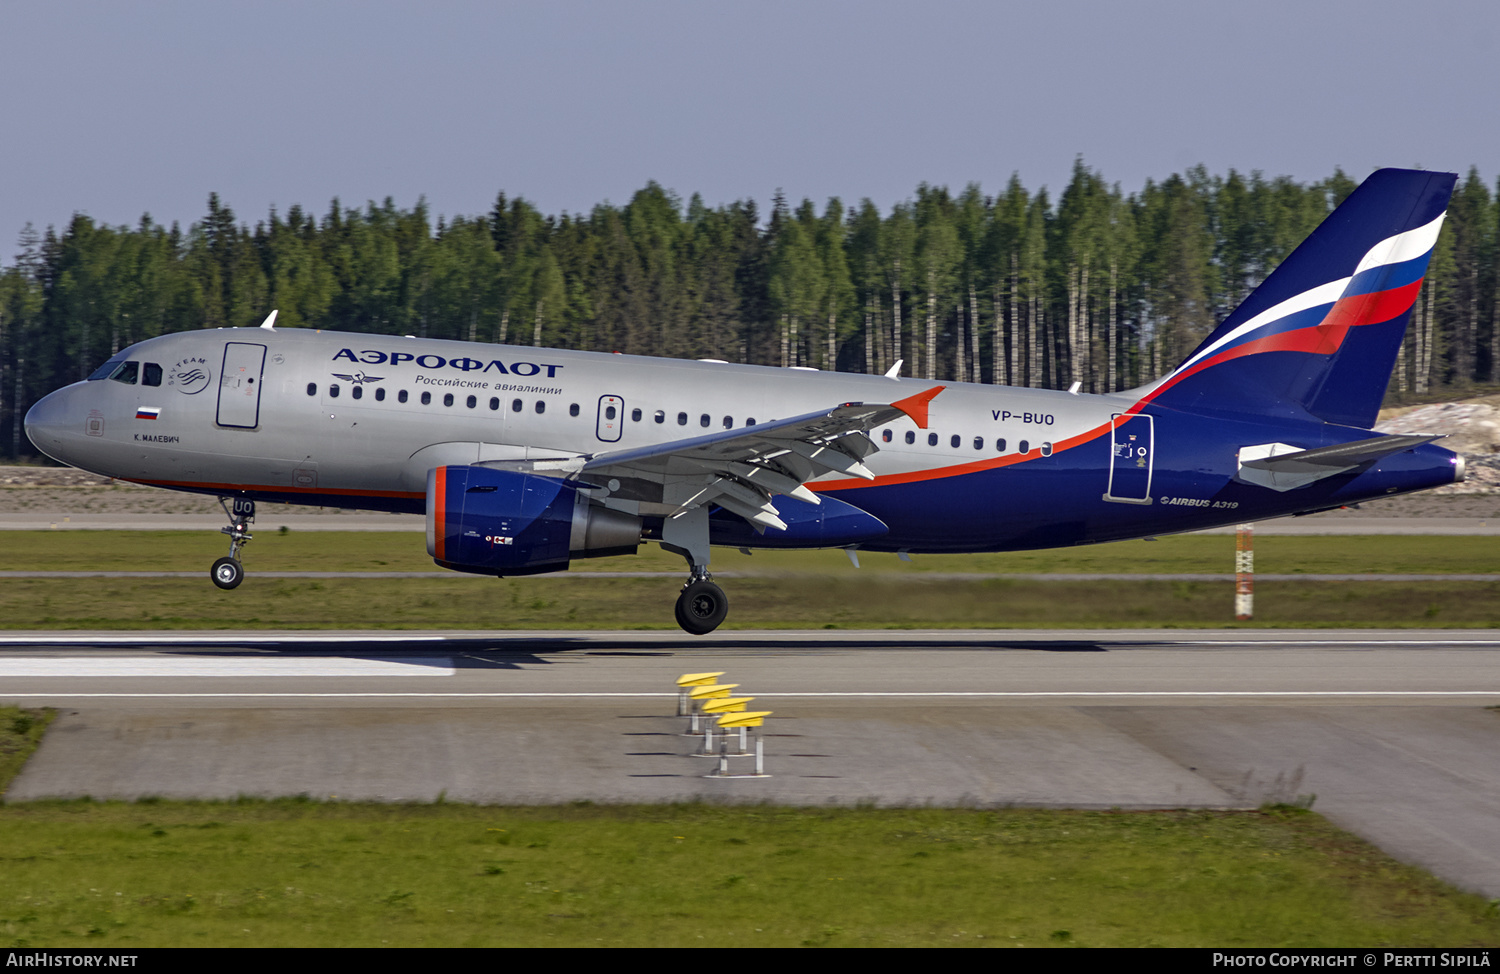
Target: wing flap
[(742, 470)]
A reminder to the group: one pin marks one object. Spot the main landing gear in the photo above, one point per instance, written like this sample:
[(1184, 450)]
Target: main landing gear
[(702, 605), (227, 573)]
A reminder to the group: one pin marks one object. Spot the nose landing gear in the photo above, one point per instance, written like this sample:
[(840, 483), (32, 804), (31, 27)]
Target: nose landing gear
[(227, 573)]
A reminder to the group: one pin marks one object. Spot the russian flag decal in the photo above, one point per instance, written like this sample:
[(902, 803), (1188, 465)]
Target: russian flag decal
[(147, 412)]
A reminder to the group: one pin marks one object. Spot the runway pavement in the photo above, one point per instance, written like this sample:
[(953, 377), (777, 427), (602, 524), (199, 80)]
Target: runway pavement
[(1389, 730)]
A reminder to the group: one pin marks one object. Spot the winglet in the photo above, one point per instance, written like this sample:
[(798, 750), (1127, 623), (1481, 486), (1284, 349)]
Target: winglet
[(270, 323), (916, 406)]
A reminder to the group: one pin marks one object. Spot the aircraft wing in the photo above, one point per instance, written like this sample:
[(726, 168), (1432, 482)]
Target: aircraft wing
[(742, 469)]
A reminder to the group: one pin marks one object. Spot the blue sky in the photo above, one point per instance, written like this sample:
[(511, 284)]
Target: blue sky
[(115, 109)]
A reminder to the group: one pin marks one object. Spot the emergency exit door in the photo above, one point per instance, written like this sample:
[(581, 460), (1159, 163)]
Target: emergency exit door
[(611, 419)]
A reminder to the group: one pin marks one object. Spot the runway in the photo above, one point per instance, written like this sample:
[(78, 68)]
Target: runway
[(1389, 730)]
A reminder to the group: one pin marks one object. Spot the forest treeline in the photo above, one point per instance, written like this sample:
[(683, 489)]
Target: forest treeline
[(1098, 287)]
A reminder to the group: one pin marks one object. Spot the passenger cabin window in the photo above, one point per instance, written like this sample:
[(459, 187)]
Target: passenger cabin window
[(635, 415), (703, 421), (358, 392), (448, 399), (127, 373), (1046, 449), (515, 405), (1024, 446), (471, 402), (885, 435), (660, 417), (609, 412), (380, 393), (401, 396), (979, 443), (494, 403), (333, 390), (955, 441), (312, 388), (151, 374), (750, 421), (541, 407), (682, 419), (911, 437), (427, 399), (1000, 445), (573, 409), (729, 422), (932, 439)]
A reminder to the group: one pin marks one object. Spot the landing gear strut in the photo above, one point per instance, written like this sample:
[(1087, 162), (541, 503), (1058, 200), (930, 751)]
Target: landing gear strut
[(227, 573), (702, 605)]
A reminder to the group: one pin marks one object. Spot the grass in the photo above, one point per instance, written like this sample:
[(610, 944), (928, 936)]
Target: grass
[(806, 589), (406, 551), (797, 590), (872, 602), (290, 873), (20, 732)]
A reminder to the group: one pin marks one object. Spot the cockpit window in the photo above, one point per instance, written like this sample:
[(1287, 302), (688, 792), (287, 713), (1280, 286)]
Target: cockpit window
[(107, 369), (151, 374), (126, 373)]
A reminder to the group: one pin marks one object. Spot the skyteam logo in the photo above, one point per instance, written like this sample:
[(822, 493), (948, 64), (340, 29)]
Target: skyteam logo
[(189, 376)]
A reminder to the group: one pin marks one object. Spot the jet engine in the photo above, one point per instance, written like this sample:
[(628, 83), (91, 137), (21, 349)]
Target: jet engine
[(505, 522)]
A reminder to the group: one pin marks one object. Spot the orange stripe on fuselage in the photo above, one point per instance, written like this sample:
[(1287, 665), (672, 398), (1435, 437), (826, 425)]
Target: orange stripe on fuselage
[(958, 470)]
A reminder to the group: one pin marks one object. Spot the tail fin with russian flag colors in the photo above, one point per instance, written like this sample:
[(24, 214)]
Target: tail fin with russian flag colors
[(1321, 334)]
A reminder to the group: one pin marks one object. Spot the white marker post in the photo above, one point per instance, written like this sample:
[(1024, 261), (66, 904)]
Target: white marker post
[(1244, 572)]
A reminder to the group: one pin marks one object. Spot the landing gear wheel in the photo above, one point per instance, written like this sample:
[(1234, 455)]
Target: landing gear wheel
[(701, 607), (227, 573)]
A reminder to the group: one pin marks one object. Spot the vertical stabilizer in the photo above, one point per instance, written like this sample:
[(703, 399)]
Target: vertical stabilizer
[(1320, 335)]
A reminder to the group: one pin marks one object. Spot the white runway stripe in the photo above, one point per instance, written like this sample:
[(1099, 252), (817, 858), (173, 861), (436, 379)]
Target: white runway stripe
[(998, 694), (156, 666)]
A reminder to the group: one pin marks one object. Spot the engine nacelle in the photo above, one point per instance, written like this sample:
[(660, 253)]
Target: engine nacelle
[(503, 522)]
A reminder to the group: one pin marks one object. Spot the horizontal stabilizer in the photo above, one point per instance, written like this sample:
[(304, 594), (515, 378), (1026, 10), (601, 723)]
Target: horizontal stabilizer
[(1342, 455), (1282, 467)]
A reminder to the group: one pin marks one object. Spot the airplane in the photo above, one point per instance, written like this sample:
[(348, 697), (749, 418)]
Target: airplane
[(524, 458)]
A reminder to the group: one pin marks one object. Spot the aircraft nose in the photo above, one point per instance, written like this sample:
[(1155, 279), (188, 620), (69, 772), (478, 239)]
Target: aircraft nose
[(50, 424)]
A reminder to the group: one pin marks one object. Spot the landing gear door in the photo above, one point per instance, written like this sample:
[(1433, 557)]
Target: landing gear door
[(239, 385), (1132, 438), (611, 419)]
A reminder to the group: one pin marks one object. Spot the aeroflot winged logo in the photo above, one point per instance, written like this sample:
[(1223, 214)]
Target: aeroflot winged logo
[(370, 356), (189, 376)]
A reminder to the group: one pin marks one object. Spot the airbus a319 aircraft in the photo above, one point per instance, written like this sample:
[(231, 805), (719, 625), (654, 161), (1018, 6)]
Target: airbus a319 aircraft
[(525, 458)]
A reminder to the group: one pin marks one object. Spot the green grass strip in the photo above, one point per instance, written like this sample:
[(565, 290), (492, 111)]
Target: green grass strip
[(406, 551), (21, 731), (290, 873), (869, 601)]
